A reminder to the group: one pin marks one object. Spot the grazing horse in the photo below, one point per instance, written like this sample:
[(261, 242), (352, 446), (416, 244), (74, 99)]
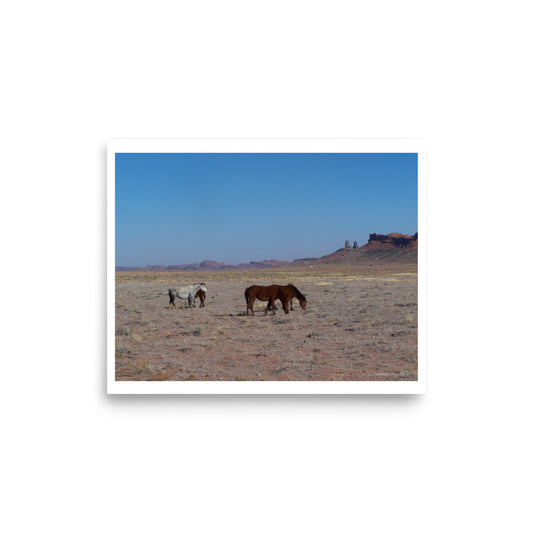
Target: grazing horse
[(188, 293), (201, 294), (291, 292), (270, 294)]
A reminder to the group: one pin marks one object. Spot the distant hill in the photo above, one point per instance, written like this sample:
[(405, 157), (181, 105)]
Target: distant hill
[(208, 265), (348, 256), (393, 248), (388, 249)]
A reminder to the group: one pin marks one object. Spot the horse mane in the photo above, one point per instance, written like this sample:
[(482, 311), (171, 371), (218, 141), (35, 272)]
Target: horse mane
[(298, 293)]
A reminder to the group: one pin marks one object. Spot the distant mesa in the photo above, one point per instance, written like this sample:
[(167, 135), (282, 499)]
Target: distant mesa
[(392, 240), (394, 248), (380, 249)]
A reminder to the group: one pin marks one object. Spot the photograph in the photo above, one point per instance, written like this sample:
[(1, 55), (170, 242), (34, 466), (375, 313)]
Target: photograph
[(277, 258), (292, 271)]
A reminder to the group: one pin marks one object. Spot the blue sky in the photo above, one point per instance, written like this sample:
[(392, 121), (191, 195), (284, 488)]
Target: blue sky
[(184, 208)]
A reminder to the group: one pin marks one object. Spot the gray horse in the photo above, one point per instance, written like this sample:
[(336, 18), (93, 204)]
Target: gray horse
[(187, 293)]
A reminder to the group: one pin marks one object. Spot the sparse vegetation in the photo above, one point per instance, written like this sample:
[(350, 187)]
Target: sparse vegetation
[(358, 326)]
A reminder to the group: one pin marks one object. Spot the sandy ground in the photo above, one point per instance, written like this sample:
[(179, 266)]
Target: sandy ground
[(360, 324)]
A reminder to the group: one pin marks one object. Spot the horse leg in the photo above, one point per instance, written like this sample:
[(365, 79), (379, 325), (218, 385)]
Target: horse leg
[(250, 305), (290, 300), (171, 298), (272, 305), (286, 306)]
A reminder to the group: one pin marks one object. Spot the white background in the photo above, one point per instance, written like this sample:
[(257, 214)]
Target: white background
[(456, 74)]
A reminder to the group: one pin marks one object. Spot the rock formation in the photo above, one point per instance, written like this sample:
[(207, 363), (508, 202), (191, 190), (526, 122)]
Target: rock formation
[(392, 240), (394, 247)]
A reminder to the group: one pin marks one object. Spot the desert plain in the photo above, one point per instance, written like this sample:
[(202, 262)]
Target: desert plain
[(360, 324)]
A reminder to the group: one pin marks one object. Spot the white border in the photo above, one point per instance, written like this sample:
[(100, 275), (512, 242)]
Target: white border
[(265, 146)]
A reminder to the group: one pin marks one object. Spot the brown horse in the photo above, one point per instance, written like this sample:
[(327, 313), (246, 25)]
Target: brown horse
[(200, 294), (270, 294), (291, 292)]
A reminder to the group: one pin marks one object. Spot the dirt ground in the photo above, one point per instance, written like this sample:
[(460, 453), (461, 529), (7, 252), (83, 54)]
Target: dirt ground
[(360, 325)]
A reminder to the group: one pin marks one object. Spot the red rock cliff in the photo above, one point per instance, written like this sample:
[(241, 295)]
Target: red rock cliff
[(392, 240)]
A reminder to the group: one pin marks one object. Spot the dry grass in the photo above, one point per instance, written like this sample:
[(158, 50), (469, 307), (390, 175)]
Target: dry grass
[(360, 324)]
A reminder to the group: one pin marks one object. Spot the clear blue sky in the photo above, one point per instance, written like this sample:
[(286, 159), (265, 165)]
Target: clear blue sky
[(184, 208)]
